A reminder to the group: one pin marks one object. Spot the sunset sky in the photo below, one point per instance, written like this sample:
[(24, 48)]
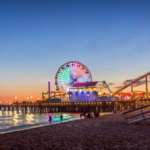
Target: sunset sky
[(110, 37)]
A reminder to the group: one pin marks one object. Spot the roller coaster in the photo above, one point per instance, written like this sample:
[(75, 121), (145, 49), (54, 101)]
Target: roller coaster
[(132, 83), (75, 76)]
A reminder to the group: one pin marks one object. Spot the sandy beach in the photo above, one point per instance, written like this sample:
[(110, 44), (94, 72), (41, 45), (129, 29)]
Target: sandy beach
[(105, 132)]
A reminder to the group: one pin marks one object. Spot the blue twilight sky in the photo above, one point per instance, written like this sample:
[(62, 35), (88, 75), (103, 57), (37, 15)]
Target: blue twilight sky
[(111, 37)]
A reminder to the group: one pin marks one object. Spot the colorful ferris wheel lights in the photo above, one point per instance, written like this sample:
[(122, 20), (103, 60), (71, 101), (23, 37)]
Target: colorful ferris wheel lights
[(70, 73)]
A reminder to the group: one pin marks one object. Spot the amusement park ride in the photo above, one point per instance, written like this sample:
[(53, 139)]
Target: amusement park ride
[(73, 76)]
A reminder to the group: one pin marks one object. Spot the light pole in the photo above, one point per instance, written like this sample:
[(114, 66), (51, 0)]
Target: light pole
[(15, 97), (30, 97), (27, 98), (37, 99)]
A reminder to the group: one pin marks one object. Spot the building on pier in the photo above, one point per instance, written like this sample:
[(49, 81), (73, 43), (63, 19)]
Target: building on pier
[(88, 92)]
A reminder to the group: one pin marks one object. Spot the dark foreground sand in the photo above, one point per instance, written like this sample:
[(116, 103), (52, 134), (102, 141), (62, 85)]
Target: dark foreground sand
[(106, 132)]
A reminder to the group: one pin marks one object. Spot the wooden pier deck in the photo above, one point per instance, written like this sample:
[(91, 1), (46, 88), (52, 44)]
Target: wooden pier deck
[(70, 107)]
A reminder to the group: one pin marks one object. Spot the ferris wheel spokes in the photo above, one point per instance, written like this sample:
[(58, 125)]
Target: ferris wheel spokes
[(70, 73)]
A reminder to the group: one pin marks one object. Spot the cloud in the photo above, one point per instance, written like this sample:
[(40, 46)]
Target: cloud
[(140, 83), (109, 84), (118, 87), (126, 82)]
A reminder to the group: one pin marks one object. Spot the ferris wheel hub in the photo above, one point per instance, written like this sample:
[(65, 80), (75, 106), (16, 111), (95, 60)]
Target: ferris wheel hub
[(73, 81)]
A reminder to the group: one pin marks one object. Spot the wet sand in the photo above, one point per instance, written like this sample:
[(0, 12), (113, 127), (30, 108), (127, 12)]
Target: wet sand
[(105, 132)]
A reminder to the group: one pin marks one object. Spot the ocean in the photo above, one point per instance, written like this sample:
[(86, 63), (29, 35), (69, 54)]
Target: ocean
[(13, 121)]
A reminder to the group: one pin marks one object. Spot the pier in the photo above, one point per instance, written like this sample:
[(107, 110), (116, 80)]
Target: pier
[(74, 107)]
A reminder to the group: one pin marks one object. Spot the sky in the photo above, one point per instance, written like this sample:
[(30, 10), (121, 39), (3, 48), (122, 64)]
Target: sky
[(110, 37)]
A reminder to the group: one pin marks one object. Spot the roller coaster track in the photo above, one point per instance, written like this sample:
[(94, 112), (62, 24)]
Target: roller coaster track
[(134, 81)]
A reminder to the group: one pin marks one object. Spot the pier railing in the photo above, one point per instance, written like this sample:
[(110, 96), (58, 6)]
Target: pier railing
[(137, 115), (70, 106), (75, 106)]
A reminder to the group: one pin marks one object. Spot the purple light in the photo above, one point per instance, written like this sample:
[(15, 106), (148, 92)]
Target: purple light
[(49, 89)]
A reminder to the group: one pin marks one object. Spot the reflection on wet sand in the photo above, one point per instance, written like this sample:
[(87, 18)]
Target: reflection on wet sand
[(11, 120)]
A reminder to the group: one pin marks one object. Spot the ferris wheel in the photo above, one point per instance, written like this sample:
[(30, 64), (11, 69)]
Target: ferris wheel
[(70, 73)]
